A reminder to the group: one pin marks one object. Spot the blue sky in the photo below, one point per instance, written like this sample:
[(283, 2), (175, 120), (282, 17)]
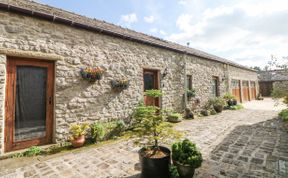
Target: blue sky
[(246, 31)]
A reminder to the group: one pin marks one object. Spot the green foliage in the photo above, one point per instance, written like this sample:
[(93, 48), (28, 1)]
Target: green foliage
[(33, 151), (191, 93), (97, 131), (173, 171), (106, 130), (78, 130), (217, 101), (153, 93), (236, 107), (228, 96), (186, 153), (150, 122), (174, 117), (284, 115)]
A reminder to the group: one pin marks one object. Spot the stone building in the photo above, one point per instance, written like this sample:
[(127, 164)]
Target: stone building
[(268, 80), (43, 49)]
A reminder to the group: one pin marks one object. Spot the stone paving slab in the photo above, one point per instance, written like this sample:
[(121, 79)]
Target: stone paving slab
[(245, 143)]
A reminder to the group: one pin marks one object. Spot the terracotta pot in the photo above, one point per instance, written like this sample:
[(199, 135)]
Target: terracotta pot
[(78, 142), (218, 108)]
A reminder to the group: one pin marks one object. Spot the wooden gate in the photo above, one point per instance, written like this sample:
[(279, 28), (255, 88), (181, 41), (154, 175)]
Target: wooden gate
[(236, 89), (245, 90)]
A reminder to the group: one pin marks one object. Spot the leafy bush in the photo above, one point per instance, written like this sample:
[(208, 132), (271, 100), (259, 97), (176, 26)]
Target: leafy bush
[(217, 101), (186, 153), (174, 117), (284, 115), (205, 113), (106, 130), (33, 151), (153, 93), (78, 130), (173, 171), (236, 107), (213, 112), (228, 96)]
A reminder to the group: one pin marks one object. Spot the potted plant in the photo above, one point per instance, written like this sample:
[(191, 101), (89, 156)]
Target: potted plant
[(78, 132), (230, 99), (119, 85), (186, 157), (217, 103), (150, 126), (92, 74), (174, 117)]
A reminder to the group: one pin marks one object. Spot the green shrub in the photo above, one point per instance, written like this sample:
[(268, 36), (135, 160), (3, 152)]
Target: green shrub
[(284, 115), (33, 151), (228, 96), (205, 113), (106, 130), (217, 101), (174, 117), (173, 172), (186, 153), (213, 112), (236, 107)]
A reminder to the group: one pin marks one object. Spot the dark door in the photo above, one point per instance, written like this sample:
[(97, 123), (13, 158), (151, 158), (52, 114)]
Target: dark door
[(266, 88), (215, 87), (151, 81), (29, 103)]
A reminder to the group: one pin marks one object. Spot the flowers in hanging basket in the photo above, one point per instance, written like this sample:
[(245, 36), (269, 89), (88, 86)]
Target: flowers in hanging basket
[(119, 84), (92, 74)]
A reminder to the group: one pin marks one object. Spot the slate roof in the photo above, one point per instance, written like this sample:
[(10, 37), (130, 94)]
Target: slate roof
[(273, 75), (57, 15)]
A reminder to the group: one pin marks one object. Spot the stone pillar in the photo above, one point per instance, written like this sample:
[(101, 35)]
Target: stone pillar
[(241, 91), (2, 100)]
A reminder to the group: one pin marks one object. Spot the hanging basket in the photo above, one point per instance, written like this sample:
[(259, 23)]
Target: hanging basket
[(119, 85), (92, 74)]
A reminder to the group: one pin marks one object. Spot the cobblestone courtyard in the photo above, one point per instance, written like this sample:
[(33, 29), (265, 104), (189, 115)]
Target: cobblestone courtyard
[(245, 143)]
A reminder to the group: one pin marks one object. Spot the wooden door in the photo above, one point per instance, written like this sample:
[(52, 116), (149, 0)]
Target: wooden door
[(253, 90), (266, 88), (151, 81), (236, 90), (29, 103), (245, 90), (215, 86)]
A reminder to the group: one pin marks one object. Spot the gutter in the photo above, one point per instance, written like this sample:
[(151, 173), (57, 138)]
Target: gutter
[(60, 20)]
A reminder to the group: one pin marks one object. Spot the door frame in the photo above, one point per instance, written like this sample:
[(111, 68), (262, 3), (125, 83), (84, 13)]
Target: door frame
[(156, 72), (12, 62)]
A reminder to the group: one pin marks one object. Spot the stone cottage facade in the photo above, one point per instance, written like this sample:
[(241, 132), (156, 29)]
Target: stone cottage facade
[(47, 47)]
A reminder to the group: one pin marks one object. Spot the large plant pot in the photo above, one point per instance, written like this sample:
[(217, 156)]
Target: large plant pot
[(184, 171), (78, 142), (155, 167), (218, 108), (230, 102)]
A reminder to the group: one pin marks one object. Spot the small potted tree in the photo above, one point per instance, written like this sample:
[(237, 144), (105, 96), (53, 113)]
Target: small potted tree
[(78, 132), (217, 103), (186, 157), (150, 126)]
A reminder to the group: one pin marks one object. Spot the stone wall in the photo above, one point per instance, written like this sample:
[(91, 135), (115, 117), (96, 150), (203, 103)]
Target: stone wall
[(281, 85), (78, 100)]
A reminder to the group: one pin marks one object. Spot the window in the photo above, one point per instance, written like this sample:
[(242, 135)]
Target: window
[(215, 86), (189, 82)]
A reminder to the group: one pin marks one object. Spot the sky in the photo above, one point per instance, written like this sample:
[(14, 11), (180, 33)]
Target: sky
[(247, 32)]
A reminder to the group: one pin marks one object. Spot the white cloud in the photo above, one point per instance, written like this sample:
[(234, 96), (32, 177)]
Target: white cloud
[(149, 19), (245, 32), (153, 30), (128, 19)]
